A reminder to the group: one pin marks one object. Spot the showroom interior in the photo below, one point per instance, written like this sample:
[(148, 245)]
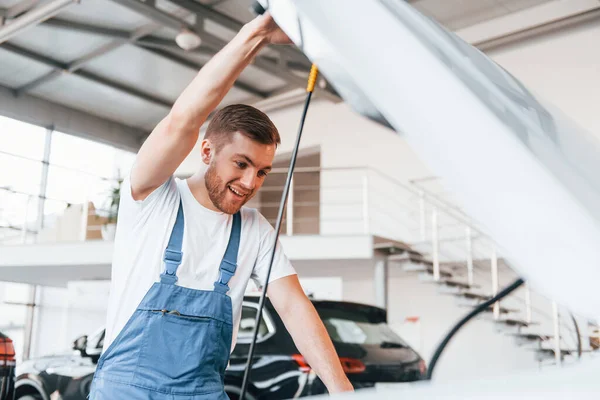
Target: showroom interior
[(368, 221)]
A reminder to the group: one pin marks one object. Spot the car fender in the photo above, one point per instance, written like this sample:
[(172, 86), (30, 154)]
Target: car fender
[(34, 383)]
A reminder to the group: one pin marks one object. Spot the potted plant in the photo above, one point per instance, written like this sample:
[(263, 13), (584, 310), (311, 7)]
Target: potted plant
[(109, 228)]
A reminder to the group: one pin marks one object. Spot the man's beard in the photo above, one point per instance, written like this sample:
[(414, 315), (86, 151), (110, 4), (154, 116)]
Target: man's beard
[(217, 192)]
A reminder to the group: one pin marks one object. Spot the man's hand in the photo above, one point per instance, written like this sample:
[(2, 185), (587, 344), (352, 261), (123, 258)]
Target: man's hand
[(310, 336), (266, 27)]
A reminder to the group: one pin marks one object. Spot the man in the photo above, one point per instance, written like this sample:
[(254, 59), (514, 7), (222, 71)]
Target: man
[(171, 326)]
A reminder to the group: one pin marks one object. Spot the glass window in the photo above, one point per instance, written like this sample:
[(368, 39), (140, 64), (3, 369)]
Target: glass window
[(358, 325), (82, 155), (15, 209), (19, 174), (14, 313), (22, 139), (247, 324), (76, 187)]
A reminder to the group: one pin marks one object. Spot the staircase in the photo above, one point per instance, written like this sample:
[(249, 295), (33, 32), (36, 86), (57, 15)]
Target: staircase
[(454, 254)]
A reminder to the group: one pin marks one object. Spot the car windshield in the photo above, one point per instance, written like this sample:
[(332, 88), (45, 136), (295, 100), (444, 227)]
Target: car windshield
[(358, 327)]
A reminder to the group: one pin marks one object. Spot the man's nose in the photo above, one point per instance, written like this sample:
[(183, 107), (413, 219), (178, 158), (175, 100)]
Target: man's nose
[(248, 180)]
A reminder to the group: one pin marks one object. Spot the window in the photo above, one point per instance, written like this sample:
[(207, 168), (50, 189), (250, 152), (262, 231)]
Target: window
[(22, 139), (358, 325), (247, 324)]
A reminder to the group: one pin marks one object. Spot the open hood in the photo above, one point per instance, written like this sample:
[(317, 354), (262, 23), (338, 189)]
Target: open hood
[(516, 164)]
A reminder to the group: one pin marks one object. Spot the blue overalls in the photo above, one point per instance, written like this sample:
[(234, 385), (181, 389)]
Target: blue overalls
[(176, 345)]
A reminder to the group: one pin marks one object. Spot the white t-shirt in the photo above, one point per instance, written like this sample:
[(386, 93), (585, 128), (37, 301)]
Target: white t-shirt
[(143, 231)]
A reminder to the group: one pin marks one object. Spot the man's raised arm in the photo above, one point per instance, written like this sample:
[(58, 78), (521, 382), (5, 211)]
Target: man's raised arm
[(175, 136)]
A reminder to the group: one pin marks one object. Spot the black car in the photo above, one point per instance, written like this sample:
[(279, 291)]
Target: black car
[(369, 350), (7, 368)]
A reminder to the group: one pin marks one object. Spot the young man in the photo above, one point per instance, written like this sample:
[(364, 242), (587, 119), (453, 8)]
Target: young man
[(185, 249)]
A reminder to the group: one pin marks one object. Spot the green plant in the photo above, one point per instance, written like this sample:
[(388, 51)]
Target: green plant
[(113, 203)]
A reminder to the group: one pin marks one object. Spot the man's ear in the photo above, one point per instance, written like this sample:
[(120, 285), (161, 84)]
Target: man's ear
[(206, 151)]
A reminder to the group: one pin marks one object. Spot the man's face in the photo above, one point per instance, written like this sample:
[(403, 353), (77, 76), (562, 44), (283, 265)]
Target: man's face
[(237, 171)]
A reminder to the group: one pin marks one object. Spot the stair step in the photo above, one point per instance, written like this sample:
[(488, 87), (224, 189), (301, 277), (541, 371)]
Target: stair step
[(532, 337), (503, 310), (474, 296), (516, 322), (548, 354), (427, 275), (457, 284)]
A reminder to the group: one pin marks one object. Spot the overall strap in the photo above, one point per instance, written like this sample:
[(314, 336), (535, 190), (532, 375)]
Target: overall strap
[(229, 262), (173, 254)]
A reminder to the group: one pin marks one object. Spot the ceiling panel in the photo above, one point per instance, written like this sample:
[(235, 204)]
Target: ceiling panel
[(261, 80), (236, 9), (457, 14), (16, 71), (81, 94), (517, 5), (59, 44), (9, 3), (105, 13), (236, 95), (140, 68)]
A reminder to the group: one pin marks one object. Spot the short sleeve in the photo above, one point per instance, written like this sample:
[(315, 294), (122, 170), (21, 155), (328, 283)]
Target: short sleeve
[(281, 265), (131, 210)]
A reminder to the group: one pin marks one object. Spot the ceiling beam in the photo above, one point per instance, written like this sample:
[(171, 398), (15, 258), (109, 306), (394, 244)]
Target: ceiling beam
[(185, 62), (37, 111), (19, 8), (60, 68), (164, 47), (279, 70)]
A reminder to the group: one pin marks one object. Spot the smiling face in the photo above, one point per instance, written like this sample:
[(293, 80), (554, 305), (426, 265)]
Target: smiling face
[(236, 170)]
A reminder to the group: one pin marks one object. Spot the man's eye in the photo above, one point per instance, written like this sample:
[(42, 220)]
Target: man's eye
[(240, 164), (262, 174)]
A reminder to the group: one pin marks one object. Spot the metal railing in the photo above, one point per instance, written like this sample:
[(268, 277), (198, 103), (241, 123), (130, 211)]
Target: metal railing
[(432, 194)]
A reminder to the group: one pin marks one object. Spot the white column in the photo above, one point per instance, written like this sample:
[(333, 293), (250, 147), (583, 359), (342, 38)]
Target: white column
[(381, 282), (365, 202)]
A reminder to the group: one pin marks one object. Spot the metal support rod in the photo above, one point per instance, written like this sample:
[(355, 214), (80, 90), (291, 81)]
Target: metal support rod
[(248, 369), (527, 303), (435, 244), (556, 322), (289, 216), (494, 262), (365, 202), (32, 17), (469, 256)]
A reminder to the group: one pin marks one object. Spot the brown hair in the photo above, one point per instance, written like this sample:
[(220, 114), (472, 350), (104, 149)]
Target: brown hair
[(242, 118)]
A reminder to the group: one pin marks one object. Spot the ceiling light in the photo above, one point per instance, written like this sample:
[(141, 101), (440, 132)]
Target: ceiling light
[(187, 39)]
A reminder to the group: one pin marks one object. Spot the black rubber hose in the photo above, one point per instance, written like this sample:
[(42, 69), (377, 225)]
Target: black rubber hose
[(277, 228), (481, 307)]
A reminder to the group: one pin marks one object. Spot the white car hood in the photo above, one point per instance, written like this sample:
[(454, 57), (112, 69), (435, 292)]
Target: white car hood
[(516, 164)]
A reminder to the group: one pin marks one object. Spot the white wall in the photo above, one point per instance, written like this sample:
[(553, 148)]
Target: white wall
[(63, 314), (563, 68)]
